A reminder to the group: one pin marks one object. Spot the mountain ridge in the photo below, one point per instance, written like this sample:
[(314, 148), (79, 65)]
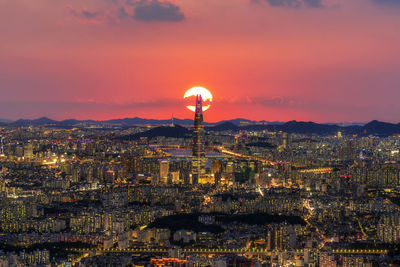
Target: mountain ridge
[(373, 127), (143, 121)]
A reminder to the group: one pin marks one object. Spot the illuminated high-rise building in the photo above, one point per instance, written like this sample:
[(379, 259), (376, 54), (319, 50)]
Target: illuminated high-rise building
[(216, 166), (28, 151), (164, 170), (199, 156)]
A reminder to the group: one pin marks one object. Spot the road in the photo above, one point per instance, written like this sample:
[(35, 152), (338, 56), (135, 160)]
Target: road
[(239, 155), (222, 251)]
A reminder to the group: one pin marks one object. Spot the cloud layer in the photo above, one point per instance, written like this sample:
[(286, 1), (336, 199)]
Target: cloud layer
[(295, 3), (87, 16), (139, 10), (155, 10)]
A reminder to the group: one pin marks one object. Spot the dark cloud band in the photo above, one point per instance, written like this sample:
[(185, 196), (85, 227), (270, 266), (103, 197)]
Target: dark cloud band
[(139, 10), (295, 3), (155, 10)]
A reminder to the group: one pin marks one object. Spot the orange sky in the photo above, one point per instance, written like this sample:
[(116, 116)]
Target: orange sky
[(262, 59)]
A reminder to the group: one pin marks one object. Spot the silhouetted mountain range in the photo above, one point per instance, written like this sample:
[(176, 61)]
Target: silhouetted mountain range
[(241, 121), (381, 128), (290, 127), (44, 121), (374, 127), (123, 122), (5, 121), (308, 128), (176, 131), (224, 126), (140, 121)]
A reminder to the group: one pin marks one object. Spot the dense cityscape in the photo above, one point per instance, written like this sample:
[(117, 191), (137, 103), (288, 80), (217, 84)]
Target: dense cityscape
[(199, 133), (101, 194)]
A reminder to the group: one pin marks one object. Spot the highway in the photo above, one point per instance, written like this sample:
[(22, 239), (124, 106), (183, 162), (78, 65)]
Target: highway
[(239, 155), (162, 153), (324, 239), (221, 251)]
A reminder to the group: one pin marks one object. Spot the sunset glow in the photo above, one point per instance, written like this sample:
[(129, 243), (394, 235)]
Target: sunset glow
[(205, 94)]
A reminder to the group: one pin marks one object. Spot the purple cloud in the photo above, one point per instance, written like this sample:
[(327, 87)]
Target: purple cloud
[(87, 16), (155, 10), (295, 3)]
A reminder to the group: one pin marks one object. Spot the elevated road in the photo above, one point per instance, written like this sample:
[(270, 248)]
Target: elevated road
[(239, 155), (260, 252), (317, 170)]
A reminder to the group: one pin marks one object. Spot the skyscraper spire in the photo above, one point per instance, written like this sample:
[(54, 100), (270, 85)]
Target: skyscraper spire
[(198, 157)]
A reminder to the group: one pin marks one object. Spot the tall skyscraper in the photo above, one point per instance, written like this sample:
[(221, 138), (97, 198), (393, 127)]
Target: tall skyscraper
[(199, 156), (28, 151), (164, 170)]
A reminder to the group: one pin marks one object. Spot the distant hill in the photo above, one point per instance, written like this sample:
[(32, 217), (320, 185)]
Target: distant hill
[(69, 122), (175, 131), (36, 122), (308, 127), (121, 122), (5, 121), (244, 122), (372, 128), (136, 121), (290, 127), (381, 128), (140, 121), (225, 126)]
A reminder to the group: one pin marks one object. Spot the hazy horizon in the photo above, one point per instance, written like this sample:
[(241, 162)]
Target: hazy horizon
[(188, 118)]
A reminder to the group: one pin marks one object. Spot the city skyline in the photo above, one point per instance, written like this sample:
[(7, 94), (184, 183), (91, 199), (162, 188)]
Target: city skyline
[(212, 133), (266, 60)]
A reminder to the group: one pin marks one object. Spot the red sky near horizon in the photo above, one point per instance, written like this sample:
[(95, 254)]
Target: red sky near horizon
[(320, 60)]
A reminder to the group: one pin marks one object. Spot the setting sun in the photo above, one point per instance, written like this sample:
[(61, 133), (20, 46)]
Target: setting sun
[(201, 91)]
